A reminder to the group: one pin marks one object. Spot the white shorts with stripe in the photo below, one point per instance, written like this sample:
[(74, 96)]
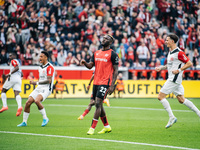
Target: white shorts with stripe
[(41, 90), (171, 87), (13, 82)]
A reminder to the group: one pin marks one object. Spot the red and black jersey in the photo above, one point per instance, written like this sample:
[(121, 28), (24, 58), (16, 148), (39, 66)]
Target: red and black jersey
[(104, 61)]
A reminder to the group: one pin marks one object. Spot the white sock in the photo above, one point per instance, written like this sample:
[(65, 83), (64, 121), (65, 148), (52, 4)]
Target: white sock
[(19, 101), (43, 112), (167, 107), (25, 117), (190, 105), (4, 99), (108, 126)]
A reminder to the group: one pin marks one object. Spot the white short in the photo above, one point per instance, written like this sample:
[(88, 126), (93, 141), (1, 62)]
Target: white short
[(171, 87), (13, 82), (44, 91)]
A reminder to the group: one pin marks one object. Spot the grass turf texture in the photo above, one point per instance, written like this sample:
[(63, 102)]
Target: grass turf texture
[(132, 125)]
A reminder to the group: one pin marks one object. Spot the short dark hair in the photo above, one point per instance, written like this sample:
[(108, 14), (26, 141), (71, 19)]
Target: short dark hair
[(174, 37), (45, 53)]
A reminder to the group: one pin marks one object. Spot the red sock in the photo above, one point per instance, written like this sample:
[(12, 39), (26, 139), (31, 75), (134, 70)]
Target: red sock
[(94, 123), (104, 120), (85, 112)]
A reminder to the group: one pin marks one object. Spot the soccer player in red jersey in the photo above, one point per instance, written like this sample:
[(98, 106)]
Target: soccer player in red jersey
[(106, 69), (42, 91), (177, 62)]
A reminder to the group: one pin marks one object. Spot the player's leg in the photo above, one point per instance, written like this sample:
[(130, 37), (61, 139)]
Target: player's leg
[(97, 113), (38, 102), (188, 103), (104, 120), (4, 100), (166, 105), (26, 113), (19, 102), (167, 88), (6, 86), (179, 92), (92, 103)]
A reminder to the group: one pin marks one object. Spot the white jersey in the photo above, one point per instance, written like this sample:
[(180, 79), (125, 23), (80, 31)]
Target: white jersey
[(13, 64), (175, 60), (44, 71)]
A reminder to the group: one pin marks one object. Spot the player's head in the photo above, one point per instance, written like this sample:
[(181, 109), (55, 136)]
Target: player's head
[(44, 57), (107, 40), (12, 56), (171, 40)]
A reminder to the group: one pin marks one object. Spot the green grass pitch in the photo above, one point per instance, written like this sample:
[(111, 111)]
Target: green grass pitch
[(136, 124)]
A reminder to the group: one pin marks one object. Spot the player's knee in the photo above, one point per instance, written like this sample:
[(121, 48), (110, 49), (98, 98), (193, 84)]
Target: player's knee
[(180, 98), (3, 90), (159, 97), (98, 104), (92, 103), (37, 102), (181, 101), (28, 103)]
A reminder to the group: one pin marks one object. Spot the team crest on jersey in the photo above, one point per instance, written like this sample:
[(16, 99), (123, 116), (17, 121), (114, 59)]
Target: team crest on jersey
[(171, 58), (106, 55)]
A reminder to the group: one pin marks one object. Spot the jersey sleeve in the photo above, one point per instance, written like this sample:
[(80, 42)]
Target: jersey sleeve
[(14, 63), (50, 71), (182, 57), (114, 58)]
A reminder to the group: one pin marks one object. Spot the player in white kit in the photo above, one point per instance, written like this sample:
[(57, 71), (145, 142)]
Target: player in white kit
[(177, 62), (13, 81), (42, 91)]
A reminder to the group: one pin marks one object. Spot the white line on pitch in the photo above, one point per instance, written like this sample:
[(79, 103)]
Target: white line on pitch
[(115, 107), (103, 140)]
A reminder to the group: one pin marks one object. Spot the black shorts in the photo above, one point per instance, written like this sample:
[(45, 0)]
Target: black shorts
[(99, 91)]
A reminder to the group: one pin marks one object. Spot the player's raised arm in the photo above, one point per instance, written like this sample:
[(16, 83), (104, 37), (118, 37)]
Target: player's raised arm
[(90, 64)]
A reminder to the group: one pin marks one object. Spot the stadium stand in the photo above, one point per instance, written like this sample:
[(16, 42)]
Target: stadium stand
[(71, 30)]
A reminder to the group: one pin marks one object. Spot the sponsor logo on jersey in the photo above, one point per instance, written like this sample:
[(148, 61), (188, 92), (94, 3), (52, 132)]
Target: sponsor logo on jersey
[(106, 55), (101, 59), (184, 57)]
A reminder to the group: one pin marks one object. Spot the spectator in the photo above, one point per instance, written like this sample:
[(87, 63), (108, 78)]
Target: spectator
[(143, 53), (31, 76), (196, 57), (78, 8), (53, 61), (61, 58), (35, 57), (3, 58)]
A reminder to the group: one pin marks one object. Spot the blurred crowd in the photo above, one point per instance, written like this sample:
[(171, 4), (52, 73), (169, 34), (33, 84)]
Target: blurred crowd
[(71, 30)]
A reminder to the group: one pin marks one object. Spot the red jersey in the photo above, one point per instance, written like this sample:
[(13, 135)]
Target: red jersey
[(104, 61)]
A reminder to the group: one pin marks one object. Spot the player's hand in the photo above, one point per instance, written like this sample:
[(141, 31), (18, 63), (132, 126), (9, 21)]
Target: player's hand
[(83, 62), (32, 82), (111, 90), (88, 87), (158, 69), (175, 71), (8, 75)]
